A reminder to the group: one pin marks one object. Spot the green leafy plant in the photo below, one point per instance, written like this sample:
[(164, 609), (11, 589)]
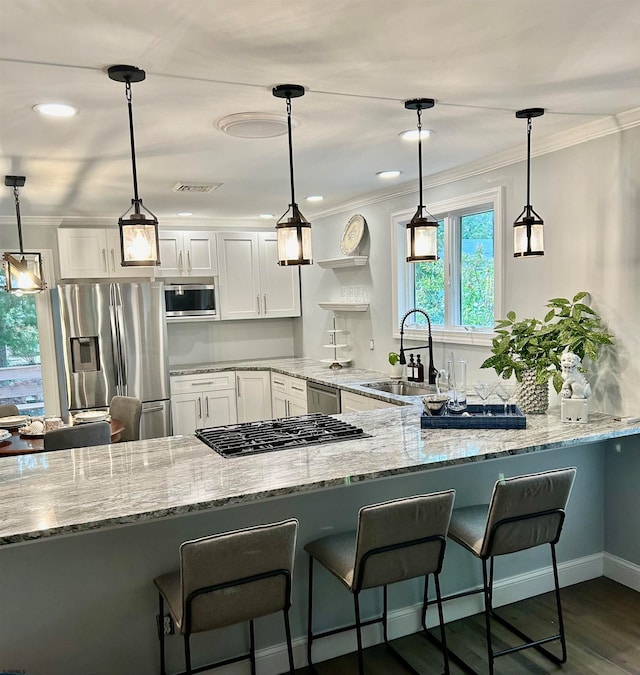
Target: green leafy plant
[(394, 357), (525, 344)]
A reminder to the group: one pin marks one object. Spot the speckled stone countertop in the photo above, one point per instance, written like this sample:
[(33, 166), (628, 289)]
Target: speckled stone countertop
[(50, 494)]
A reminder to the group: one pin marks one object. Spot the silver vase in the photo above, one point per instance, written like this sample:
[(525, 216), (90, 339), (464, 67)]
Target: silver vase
[(532, 398)]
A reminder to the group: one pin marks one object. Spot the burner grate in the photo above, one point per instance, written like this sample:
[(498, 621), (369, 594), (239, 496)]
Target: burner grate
[(253, 437)]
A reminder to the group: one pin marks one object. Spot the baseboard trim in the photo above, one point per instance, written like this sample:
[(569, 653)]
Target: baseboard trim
[(622, 571), (405, 621)]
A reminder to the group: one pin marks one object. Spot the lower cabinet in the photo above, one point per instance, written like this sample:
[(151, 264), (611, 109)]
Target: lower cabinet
[(351, 402), (288, 396), (204, 400), (253, 395)]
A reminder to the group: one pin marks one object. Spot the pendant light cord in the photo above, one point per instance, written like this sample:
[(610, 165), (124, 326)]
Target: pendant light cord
[(17, 200), (136, 199), (528, 166), (420, 156), (293, 194)]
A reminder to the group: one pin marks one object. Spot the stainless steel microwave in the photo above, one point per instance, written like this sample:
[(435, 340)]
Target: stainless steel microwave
[(190, 300)]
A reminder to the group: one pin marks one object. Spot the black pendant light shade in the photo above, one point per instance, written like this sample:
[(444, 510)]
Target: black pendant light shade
[(422, 231), (138, 226), (528, 226), (23, 271), (293, 229)]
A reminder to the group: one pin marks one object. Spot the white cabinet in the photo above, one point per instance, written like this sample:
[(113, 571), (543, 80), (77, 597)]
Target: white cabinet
[(288, 396), (94, 253), (253, 395), (203, 400), (187, 254), (351, 402), (252, 284)]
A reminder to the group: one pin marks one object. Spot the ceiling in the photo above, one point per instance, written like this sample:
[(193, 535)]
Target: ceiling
[(358, 59)]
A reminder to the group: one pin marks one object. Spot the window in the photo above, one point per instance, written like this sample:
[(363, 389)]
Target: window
[(460, 291)]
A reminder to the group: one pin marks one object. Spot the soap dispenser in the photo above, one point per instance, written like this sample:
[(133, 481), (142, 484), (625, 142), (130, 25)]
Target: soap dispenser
[(419, 370), (411, 369)]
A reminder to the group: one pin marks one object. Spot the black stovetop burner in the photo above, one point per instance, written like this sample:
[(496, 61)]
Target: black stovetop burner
[(252, 437)]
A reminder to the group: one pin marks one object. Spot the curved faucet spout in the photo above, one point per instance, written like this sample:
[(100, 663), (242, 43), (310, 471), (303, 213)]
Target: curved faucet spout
[(432, 372)]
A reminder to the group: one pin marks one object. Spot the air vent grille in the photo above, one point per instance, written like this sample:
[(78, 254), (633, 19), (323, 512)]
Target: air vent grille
[(196, 187)]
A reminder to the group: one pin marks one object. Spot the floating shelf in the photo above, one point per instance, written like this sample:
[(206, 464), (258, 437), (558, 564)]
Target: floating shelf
[(351, 261), (345, 306)]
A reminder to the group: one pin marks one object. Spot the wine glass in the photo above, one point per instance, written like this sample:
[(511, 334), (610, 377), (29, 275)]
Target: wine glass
[(484, 390), (506, 391)]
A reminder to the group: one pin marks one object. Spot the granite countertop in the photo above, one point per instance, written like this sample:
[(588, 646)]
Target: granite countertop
[(56, 493)]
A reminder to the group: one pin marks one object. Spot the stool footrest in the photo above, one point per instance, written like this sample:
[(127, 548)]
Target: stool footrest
[(528, 641)]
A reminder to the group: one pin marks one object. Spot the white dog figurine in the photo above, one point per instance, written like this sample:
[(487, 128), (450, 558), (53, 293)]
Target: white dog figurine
[(575, 384)]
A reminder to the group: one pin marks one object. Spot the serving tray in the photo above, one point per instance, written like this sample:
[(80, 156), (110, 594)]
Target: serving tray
[(476, 420)]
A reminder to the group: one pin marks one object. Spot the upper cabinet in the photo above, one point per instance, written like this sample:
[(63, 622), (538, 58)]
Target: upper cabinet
[(94, 253), (187, 254), (252, 285)]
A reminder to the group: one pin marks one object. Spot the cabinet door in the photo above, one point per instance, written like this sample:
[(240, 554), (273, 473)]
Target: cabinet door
[(354, 402), (114, 258), (239, 275), (279, 404), (280, 286), (171, 254), (253, 395), (297, 406), (186, 413), (83, 253), (199, 250), (218, 408)]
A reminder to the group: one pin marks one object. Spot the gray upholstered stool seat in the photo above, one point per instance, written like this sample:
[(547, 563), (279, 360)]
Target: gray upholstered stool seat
[(524, 512), (394, 541), (127, 409), (227, 579), (78, 436)]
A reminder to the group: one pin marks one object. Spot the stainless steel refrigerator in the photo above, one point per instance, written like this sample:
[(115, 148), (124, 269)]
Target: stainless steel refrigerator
[(113, 340)]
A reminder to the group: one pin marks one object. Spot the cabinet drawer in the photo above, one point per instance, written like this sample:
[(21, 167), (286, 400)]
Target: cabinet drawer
[(291, 386), (210, 381)]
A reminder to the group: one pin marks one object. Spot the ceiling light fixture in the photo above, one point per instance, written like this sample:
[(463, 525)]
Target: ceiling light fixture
[(138, 233), (56, 109), (314, 198), (412, 134), (23, 271), (388, 174), (294, 232), (266, 216), (527, 228), (422, 233)]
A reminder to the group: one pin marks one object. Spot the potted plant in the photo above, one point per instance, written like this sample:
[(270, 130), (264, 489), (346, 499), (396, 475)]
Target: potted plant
[(531, 349), (397, 369)]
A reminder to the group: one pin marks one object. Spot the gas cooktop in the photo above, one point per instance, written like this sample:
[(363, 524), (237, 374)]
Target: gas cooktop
[(252, 437)]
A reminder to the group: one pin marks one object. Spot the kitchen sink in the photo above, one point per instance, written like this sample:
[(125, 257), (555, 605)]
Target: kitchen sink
[(402, 388)]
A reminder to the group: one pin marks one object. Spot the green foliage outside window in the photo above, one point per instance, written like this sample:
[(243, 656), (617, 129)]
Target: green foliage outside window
[(18, 329)]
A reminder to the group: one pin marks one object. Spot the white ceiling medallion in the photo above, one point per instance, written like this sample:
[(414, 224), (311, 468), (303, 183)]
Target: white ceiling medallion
[(255, 124)]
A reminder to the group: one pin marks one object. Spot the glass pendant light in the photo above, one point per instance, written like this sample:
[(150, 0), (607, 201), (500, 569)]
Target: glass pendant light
[(23, 271), (527, 228), (292, 229), (422, 231), (138, 232)]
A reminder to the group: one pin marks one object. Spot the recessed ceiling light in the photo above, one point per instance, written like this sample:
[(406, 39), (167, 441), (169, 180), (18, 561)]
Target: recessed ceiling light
[(255, 124), (314, 198), (185, 213), (388, 174), (266, 216), (412, 134), (56, 109)]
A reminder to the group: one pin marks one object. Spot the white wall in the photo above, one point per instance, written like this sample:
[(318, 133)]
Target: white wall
[(588, 196)]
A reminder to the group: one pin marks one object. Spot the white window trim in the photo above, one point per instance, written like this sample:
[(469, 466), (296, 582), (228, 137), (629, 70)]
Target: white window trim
[(493, 198)]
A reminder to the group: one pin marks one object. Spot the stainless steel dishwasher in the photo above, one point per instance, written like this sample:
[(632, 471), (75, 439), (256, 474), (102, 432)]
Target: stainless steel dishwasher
[(323, 398)]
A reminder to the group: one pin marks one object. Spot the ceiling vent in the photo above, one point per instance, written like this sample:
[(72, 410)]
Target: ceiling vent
[(196, 187), (255, 124)]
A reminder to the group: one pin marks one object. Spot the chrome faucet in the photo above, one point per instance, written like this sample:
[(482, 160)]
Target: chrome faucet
[(432, 373)]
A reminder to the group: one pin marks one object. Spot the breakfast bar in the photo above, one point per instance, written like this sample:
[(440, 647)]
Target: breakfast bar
[(83, 532)]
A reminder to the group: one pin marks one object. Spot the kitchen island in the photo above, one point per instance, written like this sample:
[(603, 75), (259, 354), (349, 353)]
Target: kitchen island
[(83, 532)]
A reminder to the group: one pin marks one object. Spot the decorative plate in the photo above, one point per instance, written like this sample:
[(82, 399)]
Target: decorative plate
[(28, 434), (13, 422), (91, 416), (352, 235)]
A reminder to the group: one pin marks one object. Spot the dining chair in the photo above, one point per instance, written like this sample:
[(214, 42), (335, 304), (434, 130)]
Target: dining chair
[(127, 409), (8, 410), (226, 579), (78, 436)]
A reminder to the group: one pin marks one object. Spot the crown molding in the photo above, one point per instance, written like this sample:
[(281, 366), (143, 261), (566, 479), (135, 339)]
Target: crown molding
[(581, 134)]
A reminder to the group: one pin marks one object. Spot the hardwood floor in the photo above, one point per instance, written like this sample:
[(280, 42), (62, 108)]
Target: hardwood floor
[(602, 622)]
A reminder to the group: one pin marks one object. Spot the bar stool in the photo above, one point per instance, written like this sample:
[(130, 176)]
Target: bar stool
[(394, 541), (226, 579), (524, 512)]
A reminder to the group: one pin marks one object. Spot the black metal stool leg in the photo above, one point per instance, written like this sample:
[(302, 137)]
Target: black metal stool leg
[(487, 614), (384, 614), (187, 654), (252, 647), (310, 611), (161, 634), (443, 637), (563, 641), (287, 629), (356, 604)]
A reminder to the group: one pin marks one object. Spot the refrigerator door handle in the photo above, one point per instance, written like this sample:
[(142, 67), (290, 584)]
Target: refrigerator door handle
[(122, 365), (114, 338)]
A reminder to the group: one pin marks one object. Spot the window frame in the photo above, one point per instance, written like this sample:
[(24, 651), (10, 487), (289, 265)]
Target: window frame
[(402, 277)]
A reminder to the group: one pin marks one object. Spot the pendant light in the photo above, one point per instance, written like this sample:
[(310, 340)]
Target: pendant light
[(293, 229), (527, 228), (422, 231), (23, 271), (138, 233)]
